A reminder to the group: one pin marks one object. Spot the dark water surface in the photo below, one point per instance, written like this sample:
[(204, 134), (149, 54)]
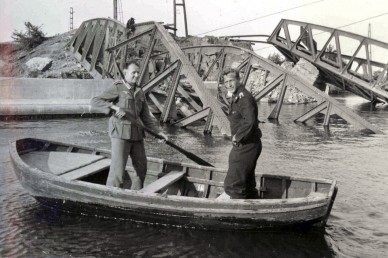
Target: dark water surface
[(357, 227)]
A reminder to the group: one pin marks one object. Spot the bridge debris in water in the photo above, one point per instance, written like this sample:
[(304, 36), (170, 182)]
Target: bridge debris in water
[(102, 45)]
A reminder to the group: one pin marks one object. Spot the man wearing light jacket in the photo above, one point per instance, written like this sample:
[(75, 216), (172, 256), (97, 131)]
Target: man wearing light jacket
[(130, 113)]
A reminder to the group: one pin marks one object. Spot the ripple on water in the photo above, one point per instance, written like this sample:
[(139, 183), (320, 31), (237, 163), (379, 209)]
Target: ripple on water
[(355, 229)]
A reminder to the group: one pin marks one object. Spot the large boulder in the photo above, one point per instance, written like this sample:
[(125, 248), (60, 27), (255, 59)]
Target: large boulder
[(260, 77), (293, 95), (306, 70), (39, 64)]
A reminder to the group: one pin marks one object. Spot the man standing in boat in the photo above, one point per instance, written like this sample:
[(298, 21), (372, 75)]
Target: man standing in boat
[(130, 113), (240, 181)]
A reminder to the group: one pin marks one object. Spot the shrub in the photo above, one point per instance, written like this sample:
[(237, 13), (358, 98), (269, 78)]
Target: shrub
[(31, 38), (276, 58)]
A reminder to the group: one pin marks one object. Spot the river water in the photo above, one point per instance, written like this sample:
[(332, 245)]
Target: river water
[(357, 227)]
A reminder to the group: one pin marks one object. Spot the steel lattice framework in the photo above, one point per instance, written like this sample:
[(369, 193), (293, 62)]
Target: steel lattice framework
[(343, 57), (104, 46)]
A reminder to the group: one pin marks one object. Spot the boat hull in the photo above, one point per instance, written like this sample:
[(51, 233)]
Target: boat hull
[(155, 217), (157, 208)]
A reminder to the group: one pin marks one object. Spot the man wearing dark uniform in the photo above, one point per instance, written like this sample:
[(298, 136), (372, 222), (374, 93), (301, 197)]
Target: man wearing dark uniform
[(128, 102), (240, 181)]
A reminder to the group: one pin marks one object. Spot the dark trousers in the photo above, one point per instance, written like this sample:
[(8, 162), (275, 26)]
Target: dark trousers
[(240, 181), (120, 151)]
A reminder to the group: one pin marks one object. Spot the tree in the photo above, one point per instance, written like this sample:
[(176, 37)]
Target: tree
[(276, 58), (31, 38)]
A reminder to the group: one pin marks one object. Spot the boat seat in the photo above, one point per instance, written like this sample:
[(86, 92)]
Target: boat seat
[(163, 182), (223, 196), (87, 170), (317, 194), (59, 163)]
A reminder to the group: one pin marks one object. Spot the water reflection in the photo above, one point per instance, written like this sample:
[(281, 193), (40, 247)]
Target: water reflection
[(357, 226), (47, 232)]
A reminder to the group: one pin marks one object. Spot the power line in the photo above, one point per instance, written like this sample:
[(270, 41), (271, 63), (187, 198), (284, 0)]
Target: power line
[(71, 27), (232, 25), (362, 20)]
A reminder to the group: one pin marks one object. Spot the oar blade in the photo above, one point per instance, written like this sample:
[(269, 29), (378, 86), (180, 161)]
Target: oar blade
[(190, 155)]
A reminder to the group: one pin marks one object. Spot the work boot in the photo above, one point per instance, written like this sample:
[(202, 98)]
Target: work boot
[(137, 184)]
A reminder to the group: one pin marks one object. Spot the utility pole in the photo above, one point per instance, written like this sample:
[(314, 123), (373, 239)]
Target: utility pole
[(115, 9), (370, 36), (71, 27), (182, 3)]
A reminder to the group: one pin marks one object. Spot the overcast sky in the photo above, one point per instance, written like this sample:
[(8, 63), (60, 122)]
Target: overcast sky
[(205, 17)]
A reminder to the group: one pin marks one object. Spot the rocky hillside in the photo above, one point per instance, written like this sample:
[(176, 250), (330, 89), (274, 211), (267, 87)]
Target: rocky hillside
[(51, 59), (48, 60)]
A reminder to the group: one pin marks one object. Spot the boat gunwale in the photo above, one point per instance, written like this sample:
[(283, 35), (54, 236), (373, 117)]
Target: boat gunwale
[(242, 204), (183, 164), (174, 205)]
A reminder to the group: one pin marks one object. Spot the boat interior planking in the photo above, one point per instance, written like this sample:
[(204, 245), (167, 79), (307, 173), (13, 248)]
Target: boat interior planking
[(72, 169)]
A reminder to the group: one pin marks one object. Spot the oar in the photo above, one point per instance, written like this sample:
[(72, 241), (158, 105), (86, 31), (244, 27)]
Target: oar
[(188, 154)]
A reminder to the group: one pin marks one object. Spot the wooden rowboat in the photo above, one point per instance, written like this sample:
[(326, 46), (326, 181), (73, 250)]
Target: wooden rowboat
[(72, 178)]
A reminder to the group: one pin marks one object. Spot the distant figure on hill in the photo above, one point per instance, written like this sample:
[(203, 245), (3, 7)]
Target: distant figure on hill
[(131, 27)]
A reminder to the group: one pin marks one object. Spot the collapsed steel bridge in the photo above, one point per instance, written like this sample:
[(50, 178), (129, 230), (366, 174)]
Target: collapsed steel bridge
[(104, 45), (352, 62)]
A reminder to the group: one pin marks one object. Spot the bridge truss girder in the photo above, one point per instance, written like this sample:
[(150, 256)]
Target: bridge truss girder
[(352, 62), (105, 54), (280, 78), (102, 46)]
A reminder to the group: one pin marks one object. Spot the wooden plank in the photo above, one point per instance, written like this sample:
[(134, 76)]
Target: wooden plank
[(87, 170), (163, 182), (262, 182), (207, 186), (59, 162), (204, 181), (317, 195)]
